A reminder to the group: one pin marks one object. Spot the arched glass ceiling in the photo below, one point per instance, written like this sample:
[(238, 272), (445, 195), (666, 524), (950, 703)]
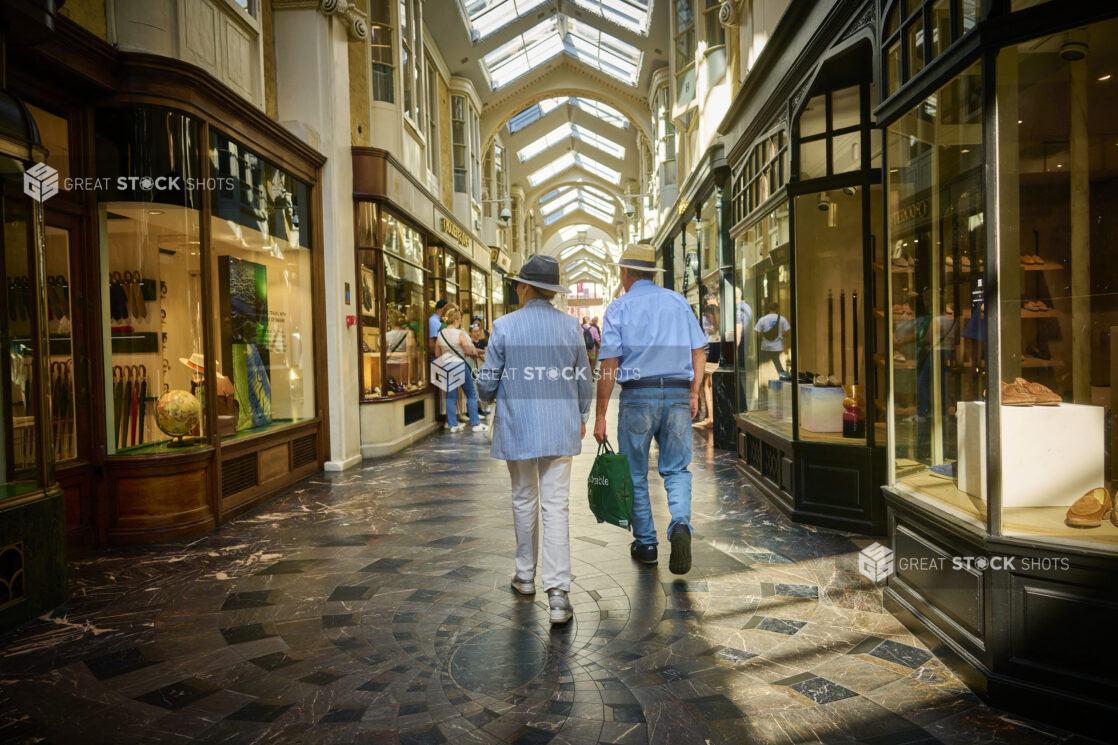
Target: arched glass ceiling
[(586, 43), (565, 131), (597, 252), (537, 111), (483, 17), (631, 14), (571, 160), (592, 201)]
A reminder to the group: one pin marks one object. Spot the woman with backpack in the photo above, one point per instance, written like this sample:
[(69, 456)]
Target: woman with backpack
[(456, 341), (592, 339)]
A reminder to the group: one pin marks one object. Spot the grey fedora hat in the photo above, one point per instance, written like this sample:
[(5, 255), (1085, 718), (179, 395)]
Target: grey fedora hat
[(543, 272)]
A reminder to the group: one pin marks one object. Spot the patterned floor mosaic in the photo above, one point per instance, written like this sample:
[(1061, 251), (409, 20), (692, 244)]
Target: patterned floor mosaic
[(373, 606)]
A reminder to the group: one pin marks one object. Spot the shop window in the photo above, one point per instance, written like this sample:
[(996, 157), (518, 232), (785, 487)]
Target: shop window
[(764, 173), (450, 272), (19, 456), (938, 315), (830, 306), (54, 131), (906, 50), (496, 281), (831, 130), (393, 311), (716, 43), (1057, 195), (60, 317), (151, 262), (380, 35), (480, 289), (762, 321), (370, 298), (261, 267), (684, 52)]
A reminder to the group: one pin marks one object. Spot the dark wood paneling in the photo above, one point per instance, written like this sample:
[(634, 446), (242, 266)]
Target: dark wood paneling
[(159, 498)]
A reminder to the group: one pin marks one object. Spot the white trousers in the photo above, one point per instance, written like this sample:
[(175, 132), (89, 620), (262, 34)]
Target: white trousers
[(542, 485)]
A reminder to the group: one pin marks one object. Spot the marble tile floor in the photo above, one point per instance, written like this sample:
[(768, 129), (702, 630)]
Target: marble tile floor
[(372, 606)]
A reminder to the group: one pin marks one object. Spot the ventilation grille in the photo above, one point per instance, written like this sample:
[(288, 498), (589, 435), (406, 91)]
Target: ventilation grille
[(238, 474), (414, 412), (304, 451)]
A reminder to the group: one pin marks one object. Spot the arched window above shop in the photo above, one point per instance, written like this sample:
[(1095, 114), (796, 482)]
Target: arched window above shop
[(918, 31)]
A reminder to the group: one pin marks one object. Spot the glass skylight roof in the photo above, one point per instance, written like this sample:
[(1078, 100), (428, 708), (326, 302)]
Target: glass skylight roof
[(595, 251), (486, 16), (562, 202), (586, 43), (571, 160), (631, 14), (568, 232), (567, 130), (537, 111)]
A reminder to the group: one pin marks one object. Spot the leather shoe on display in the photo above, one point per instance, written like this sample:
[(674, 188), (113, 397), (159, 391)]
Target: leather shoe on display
[(1014, 396), (1090, 510), (643, 553), (1042, 396)]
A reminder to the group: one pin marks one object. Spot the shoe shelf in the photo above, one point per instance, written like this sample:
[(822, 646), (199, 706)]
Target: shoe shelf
[(1036, 362), (1051, 313), (1048, 266)]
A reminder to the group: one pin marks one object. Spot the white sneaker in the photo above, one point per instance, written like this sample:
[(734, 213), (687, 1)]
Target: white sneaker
[(483, 427), (561, 611), (524, 586), (458, 428)]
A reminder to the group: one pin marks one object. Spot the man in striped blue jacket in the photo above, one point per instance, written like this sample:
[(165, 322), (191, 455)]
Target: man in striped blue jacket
[(537, 370)]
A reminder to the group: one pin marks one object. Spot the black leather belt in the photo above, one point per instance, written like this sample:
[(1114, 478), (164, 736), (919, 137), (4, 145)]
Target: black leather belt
[(656, 383)]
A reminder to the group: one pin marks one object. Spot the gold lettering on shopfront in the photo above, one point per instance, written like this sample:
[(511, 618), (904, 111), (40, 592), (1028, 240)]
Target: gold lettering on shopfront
[(911, 212), (454, 232)]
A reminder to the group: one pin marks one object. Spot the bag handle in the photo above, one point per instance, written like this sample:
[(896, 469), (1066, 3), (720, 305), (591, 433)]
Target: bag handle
[(605, 446)]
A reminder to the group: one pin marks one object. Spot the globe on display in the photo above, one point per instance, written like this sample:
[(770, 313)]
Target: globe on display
[(177, 413)]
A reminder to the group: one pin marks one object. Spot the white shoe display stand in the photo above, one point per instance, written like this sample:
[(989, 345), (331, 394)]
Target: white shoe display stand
[(1051, 455), (780, 399)]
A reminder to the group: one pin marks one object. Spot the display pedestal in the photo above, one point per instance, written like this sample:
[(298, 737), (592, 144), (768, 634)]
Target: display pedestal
[(780, 399), (821, 408), (1051, 455)]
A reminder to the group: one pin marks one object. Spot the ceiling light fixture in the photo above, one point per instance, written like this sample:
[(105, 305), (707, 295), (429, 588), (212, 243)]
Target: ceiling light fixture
[(1104, 78)]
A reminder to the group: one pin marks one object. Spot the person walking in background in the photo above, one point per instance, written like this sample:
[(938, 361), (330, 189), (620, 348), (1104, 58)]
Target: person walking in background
[(773, 327), (596, 332), (453, 339), (589, 341), (742, 323), (537, 370), (653, 346), (435, 322)]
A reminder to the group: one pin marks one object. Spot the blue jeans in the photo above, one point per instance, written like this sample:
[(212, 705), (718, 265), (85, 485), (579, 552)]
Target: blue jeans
[(471, 402), (663, 414)]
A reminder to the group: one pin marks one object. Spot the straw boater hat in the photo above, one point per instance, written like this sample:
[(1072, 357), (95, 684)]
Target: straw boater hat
[(641, 256), (543, 272)]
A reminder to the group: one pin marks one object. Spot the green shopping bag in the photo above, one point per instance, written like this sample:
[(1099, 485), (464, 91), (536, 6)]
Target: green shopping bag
[(611, 488)]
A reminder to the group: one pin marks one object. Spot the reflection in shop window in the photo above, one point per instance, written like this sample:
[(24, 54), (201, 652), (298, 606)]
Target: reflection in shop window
[(935, 256)]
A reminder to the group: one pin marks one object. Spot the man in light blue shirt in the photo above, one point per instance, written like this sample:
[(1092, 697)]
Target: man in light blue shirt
[(435, 322), (537, 370), (653, 346)]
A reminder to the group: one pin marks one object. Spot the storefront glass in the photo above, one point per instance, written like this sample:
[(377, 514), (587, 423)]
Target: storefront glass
[(480, 288), (405, 341), (937, 317), (19, 455), (763, 306), (497, 282), (261, 265), (370, 296), (1057, 281), (151, 270), (60, 320), (830, 304)]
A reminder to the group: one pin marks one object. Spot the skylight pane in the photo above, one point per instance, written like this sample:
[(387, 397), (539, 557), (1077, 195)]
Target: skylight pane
[(523, 52), (486, 16), (604, 52), (565, 131), (631, 14), (607, 114), (569, 160)]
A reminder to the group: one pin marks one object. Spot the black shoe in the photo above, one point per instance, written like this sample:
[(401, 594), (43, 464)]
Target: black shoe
[(680, 562), (643, 553)]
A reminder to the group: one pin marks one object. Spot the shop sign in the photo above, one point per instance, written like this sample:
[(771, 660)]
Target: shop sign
[(455, 232), (504, 261), (912, 212)]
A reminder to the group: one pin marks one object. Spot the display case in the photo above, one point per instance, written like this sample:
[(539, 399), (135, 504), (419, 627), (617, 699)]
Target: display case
[(809, 302), (1000, 192), (393, 334)]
